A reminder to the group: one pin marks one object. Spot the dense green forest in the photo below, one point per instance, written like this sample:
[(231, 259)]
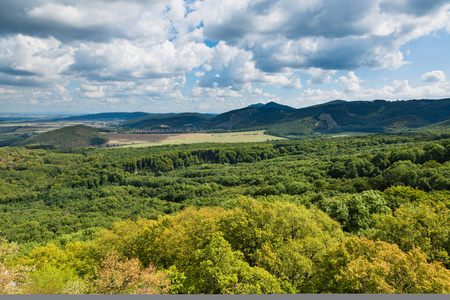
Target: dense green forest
[(366, 214), (66, 138)]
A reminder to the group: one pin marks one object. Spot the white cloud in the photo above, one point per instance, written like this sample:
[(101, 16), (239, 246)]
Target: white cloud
[(434, 76), (206, 92), (113, 100), (122, 60), (256, 91), (26, 60), (73, 16), (223, 55), (398, 89), (48, 98), (237, 68), (350, 83), (134, 50), (320, 76), (94, 92), (323, 34)]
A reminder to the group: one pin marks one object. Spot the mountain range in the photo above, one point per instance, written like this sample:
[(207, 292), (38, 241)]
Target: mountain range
[(331, 117)]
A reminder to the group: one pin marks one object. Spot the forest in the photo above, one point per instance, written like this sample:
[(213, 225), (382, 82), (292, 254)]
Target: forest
[(361, 214)]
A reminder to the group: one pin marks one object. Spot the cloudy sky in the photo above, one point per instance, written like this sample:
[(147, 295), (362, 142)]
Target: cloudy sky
[(215, 55)]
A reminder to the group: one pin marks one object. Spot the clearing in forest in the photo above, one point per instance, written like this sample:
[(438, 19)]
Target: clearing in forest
[(146, 140)]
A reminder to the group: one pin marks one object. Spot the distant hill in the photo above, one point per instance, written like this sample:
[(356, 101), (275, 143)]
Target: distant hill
[(271, 105), (105, 116), (192, 121), (257, 105), (249, 117), (374, 116), (70, 137), (331, 117), (277, 105), (337, 116)]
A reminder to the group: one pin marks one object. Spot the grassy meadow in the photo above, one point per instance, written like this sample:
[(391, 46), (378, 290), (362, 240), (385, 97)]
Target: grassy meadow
[(193, 138)]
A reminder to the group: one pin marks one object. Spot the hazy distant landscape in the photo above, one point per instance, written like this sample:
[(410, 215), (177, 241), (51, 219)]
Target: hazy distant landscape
[(263, 121), (224, 147)]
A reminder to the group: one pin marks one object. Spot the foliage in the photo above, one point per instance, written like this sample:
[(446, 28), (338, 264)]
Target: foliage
[(116, 276), (207, 216), (355, 212), (52, 280), (367, 116), (360, 265), (422, 226), (67, 138), (219, 270)]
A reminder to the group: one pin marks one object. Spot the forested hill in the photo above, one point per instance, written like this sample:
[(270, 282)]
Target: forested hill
[(170, 121), (338, 116), (377, 116), (78, 136), (335, 116), (272, 105)]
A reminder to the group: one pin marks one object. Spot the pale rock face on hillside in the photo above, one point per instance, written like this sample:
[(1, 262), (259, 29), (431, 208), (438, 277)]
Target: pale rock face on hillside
[(330, 121)]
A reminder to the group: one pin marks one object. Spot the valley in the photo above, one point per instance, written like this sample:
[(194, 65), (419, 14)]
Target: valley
[(245, 194), (148, 140), (267, 121)]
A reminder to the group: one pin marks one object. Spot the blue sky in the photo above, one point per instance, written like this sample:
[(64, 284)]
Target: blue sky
[(91, 56)]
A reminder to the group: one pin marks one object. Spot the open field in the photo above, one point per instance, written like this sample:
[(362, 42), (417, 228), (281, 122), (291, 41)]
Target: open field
[(118, 139), (351, 133), (191, 138)]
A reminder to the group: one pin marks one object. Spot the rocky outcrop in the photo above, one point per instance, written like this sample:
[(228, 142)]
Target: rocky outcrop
[(331, 123)]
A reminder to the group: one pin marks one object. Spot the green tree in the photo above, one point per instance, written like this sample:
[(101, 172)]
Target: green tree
[(219, 270)]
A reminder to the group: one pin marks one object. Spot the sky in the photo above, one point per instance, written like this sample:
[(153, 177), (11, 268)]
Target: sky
[(212, 56)]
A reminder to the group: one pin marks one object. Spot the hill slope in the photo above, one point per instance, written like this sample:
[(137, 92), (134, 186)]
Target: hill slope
[(271, 105), (249, 117), (374, 116), (331, 117), (78, 136), (170, 121), (338, 116)]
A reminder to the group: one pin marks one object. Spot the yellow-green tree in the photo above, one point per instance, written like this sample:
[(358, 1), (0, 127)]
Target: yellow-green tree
[(423, 226), (220, 270), (359, 265), (9, 277)]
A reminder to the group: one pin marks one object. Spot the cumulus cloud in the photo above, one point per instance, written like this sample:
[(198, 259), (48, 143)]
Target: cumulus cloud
[(90, 91), (136, 49), (411, 7), (47, 98), (238, 68), (322, 34), (320, 75), (122, 60), (257, 92), (30, 61), (350, 83), (398, 89), (434, 76), (94, 20), (204, 92)]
